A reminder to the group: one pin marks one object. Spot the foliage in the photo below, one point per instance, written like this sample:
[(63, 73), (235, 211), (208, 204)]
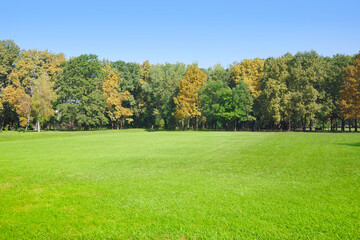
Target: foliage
[(79, 89), (285, 93), (114, 99), (250, 71), (350, 95), (44, 96), (187, 98)]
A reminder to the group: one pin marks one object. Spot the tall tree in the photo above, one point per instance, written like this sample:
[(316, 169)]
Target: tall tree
[(350, 95), (29, 66), (8, 54), (273, 102), (44, 96), (334, 83), (79, 87), (114, 99), (187, 98), (307, 73), (163, 84)]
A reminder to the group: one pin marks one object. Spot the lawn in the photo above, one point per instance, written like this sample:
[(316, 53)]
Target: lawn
[(134, 184)]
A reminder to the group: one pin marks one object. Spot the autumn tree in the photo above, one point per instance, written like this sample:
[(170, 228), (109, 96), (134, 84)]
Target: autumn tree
[(29, 66), (187, 98), (17, 98), (350, 95), (250, 71), (44, 96), (114, 99)]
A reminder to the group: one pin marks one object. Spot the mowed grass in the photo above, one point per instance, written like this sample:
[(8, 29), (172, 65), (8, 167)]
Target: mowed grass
[(170, 185)]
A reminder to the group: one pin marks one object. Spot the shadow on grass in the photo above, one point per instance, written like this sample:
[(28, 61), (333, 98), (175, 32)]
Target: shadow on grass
[(350, 144)]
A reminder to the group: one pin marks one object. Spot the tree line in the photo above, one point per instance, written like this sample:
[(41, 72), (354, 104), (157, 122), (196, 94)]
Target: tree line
[(305, 91)]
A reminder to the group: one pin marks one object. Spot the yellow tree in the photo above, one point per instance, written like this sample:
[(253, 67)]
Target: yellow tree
[(187, 98), (114, 98), (29, 66), (43, 97), (350, 95), (250, 71)]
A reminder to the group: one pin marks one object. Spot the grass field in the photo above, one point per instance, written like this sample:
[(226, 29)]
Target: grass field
[(170, 185)]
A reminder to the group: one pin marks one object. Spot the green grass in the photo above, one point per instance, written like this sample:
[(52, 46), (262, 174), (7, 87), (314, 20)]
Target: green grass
[(170, 185)]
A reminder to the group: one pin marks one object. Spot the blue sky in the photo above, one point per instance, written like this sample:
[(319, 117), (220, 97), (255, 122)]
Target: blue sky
[(207, 32)]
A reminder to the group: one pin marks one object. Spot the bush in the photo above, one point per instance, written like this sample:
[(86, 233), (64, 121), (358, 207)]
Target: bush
[(21, 129)]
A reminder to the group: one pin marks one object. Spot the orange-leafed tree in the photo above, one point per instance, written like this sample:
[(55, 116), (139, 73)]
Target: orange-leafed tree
[(187, 99), (15, 95), (350, 95), (114, 98)]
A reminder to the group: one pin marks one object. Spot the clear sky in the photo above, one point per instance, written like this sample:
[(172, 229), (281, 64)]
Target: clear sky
[(207, 32)]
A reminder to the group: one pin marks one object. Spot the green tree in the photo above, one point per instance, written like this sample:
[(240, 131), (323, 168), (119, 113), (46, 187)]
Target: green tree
[(307, 73), (218, 73), (163, 85), (79, 87), (272, 106), (9, 51), (225, 107)]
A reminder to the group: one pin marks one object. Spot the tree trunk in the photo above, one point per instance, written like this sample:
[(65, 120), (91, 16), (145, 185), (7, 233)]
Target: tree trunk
[(2, 124), (349, 125), (336, 125), (310, 125), (355, 125), (289, 128), (28, 122), (37, 125), (331, 124), (182, 124), (235, 125), (304, 124), (343, 125)]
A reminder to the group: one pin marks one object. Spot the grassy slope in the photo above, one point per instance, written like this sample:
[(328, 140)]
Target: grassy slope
[(136, 184)]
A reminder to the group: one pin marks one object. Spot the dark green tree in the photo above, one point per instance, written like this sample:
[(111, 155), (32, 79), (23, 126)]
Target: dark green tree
[(81, 99)]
